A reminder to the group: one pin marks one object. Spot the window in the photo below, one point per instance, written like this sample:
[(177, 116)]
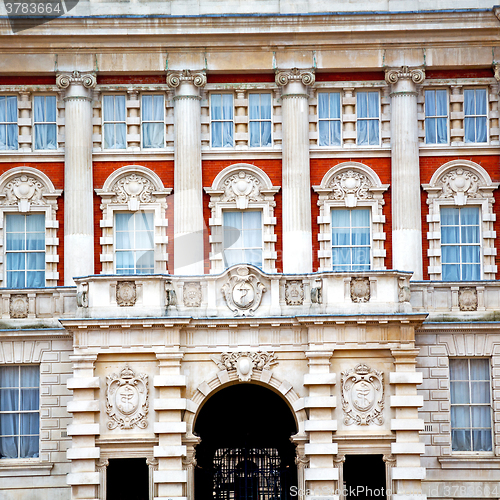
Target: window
[(114, 121), (470, 395), (475, 115), (8, 122), (329, 118), (19, 411), (243, 238), (436, 117), (260, 120), (134, 243), (221, 119), (25, 249), (368, 112), (45, 122), (153, 121), (460, 243), (351, 239)]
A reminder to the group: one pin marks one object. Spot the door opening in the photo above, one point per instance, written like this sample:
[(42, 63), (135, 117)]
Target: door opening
[(364, 477), (127, 478)]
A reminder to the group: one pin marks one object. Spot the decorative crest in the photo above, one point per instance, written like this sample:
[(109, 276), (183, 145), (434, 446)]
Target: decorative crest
[(192, 294), (24, 191), (242, 187), (417, 75), (467, 298), (126, 294), (244, 363), (243, 292), (360, 290), (88, 80), (350, 186), (198, 78), (133, 190), (294, 293), (295, 74), (18, 306), (460, 184)]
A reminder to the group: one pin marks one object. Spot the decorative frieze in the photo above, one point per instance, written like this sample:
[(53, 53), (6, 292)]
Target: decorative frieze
[(244, 363), (243, 292)]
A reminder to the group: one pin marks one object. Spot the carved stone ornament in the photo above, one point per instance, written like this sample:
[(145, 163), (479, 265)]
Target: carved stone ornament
[(316, 295), (133, 190), (404, 292), (467, 299), (245, 362), (192, 294), (198, 78), (241, 187), (82, 296), (18, 306), (360, 290), (305, 76), (496, 70), (294, 293), (126, 293), (127, 399), (243, 292), (88, 80), (24, 191), (362, 395), (460, 184), (350, 186), (417, 75)]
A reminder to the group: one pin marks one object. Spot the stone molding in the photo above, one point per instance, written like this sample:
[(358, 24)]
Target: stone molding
[(244, 363), (416, 75), (284, 77), (86, 79), (197, 78)]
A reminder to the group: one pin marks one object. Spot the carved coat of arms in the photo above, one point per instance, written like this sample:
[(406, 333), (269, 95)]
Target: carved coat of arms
[(360, 290), (127, 399), (243, 292), (294, 293), (192, 294), (362, 396), (126, 294)]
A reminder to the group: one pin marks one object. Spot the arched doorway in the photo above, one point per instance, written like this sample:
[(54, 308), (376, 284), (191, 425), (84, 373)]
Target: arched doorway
[(245, 451)]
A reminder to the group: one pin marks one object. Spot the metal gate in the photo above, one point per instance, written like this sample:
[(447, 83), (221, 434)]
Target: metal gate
[(249, 474)]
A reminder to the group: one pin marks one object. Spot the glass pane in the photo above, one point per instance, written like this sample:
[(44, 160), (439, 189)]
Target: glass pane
[(442, 132), (233, 257), (252, 238), (216, 134), (143, 221), (109, 136), (265, 106), (470, 254), (441, 103), (3, 109), (470, 129), (50, 106), (29, 399), (29, 447), (362, 135), (460, 417), (341, 257), (362, 104), (340, 218), (449, 216), (324, 138), (125, 260), (461, 440), (430, 103), (227, 106), (158, 108), (360, 218), (335, 133), (227, 134), (35, 279), (147, 107), (120, 108), (430, 131), (9, 399), (35, 222), (254, 257), (216, 106), (459, 392), (335, 105), (35, 261), (480, 369), (254, 105), (232, 237), (266, 134), (124, 222), (360, 257), (16, 261), (341, 237), (233, 219), (252, 220), (469, 102), (482, 440), (450, 272), (8, 445), (480, 102), (254, 134), (9, 425), (145, 261), (459, 369), (373, 108), (9, 376), (152, 135), (450, 254), (360, 236), (469, 215), (123, 241), (480, 392), (323, 105)]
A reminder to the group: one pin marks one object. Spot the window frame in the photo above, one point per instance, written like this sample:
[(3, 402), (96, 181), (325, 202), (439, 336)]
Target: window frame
[(270, 120), (379, 119), (7, 123), (328, 92), (142, 122), (34, 123), (437, 144), (212, 120), (107, 122), (487, 115), (469, 405)]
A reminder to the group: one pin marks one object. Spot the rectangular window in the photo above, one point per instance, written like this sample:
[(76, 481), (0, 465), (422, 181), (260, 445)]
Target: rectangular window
[(260, 120), (436, 117), (222, 120), (368, 118), (153, 121), (329, 118), (19, 411), (134, 237), (114, 121), (470, 395), (242, 238), (8, 123), (45, 113), (460, 244), (475, 115), (351, 239), (25, 250)]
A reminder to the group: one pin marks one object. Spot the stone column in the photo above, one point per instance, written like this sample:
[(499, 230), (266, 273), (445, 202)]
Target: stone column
[(296, 208), (188, 189), (405, 186), (78, 183)]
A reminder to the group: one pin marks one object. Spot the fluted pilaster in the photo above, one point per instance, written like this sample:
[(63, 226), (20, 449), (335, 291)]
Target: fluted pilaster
[(405, 186), (296, 219), (78, 184), (188, 208)]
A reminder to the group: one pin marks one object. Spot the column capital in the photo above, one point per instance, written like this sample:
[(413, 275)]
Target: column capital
[(197, 78), (416, 75), (86, 79), (285, 76)]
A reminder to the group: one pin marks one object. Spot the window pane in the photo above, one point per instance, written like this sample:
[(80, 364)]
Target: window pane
[(430, 131), (340, 218), (479, 369), (362, 104), (335, 133), (335, 105), (341, 237), (266, 133), (323, 105), (254, 134), (450, 272), (253, 257), (442, 132), (362, 127), (449, 216), (265, 103), (254, 106), (216, 134), (482, 440), (324, 139), (459, 392), (441, 102), (147, 107), (430, 103), (459, 369), (373, 108), (227, 103), (461, 440)]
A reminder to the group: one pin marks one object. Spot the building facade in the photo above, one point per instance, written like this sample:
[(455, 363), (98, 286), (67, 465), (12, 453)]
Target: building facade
[(249, 251)]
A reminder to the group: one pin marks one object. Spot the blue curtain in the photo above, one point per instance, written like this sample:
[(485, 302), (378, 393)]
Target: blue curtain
[(45, 126), (115, 128)]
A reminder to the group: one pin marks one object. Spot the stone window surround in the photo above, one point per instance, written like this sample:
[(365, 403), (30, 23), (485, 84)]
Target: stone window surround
[(11, 203), (351, 199), (156, 194), (437, 199), (259, 195)]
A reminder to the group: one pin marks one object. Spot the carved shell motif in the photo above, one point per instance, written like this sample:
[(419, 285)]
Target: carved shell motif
[(350, 183)]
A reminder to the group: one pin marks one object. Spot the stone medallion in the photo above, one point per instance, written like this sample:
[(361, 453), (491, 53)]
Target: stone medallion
[(243, 292), (126, 294), (467, 299), (294, 293), (192, 294), (18, 306), (360, 290)]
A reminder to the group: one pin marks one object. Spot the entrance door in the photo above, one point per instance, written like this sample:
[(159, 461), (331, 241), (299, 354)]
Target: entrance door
[(127, 478), (364, 477)]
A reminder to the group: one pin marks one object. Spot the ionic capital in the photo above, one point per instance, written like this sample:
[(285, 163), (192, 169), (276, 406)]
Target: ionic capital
[(284, 77), (416, 75), (87, 80), (197, 78)]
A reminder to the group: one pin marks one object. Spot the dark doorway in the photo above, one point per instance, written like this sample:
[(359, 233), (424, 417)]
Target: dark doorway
[(127, 478), (364, 477), (245, 451)]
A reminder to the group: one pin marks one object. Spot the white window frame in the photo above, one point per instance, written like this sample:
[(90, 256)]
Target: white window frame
[(219, 148), (7, 123), (34, 123), (318, 92), (41, 197), (152, 198), (438, 144), (379, 118), (152, 121), (334, 193), (270, 120), (478, 191), (225, 194), (107, 122), (487, 116)]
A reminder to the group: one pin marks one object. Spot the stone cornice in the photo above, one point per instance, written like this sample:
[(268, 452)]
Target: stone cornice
[(197, 78), (283, 77), (416, 75), (87, 80)]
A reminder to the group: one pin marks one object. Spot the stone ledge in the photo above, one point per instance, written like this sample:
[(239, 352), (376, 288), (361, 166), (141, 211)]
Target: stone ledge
[(27, 467), (470, 462)]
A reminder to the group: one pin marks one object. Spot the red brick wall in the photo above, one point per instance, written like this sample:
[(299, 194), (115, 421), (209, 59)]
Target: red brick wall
[(445, 74), (350, 77)]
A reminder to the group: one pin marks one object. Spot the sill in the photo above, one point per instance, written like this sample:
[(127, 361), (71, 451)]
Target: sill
[(24, 467), (470, 461)]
